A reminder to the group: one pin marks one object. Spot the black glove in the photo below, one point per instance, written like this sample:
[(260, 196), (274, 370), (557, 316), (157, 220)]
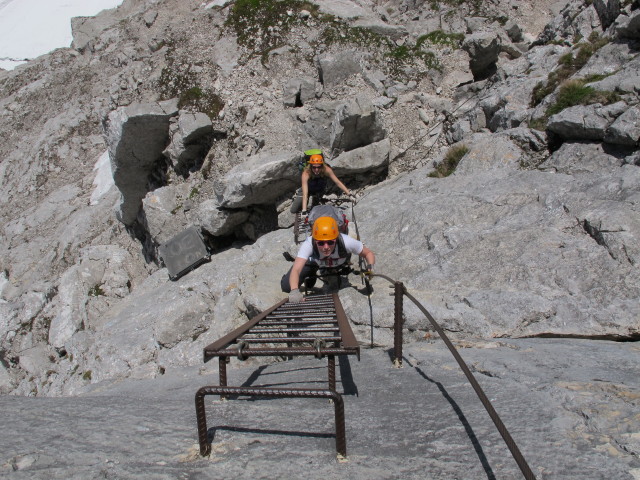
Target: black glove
[(369, 269)]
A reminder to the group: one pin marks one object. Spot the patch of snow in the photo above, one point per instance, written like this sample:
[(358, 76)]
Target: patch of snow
[(30, 28)]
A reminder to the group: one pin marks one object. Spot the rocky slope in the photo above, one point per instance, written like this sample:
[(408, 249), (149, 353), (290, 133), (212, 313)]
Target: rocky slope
[(167, 114), (570, 419)]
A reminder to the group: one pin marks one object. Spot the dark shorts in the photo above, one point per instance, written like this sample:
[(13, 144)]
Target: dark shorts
[(309, 271)]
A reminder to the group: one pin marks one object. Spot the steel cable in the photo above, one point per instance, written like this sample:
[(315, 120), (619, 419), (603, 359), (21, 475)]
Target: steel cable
[(502, 429)]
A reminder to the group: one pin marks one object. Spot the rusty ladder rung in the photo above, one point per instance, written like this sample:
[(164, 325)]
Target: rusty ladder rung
[(293, 330), (292, 339), (283, 330)]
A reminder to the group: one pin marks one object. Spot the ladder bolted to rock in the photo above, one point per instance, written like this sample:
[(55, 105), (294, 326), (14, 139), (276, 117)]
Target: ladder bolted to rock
[(316, 327)]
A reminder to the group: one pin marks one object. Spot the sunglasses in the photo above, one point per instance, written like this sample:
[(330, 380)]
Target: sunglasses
[(322, 243), (316, 166)]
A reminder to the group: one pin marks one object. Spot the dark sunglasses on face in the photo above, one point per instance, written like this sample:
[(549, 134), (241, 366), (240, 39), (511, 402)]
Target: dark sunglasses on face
[(316, 166), (322, 243)]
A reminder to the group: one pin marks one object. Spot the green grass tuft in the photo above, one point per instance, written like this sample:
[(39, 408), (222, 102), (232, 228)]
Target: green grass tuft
[(571, 93), (576, 92), (262, 24), (96, 291), (450, 161), (568, 64), (438, 37), (200, 100)]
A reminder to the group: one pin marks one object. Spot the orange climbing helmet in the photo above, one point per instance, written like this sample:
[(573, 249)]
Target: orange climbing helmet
[(316, 160), (325, 228)]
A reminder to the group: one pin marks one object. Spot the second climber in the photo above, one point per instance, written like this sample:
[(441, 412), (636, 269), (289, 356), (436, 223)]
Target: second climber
[(314, 183)]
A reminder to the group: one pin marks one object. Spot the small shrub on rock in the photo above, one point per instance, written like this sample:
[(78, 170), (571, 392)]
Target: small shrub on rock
[(96, 291), (438, 37), (571, 93), (200, 100), (568, 64), (262, 24), (450, 161), (576, 92)]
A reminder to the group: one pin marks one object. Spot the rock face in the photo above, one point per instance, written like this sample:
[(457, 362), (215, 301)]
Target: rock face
[(496, 161), (136, 136), (483, 49), (542, 402), (172, 114)]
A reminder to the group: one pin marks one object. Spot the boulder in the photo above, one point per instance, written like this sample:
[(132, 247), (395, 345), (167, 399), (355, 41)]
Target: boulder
[(163, 211), (508, 105), (191, 137), (574, 20), (514, 31), (368, 159), (217, 221), (260, 180), (625, 130), (588, 122), (355, 124), (490, 152), (483, 49), (376, 79), (317, 123), (607, 10), (334, 68), (574, 158), (149, 17), (528, 139), (628, 26), (475, 24), (298, 91), (625, 79), (608, 60), (458, 131), (226, 53), (136, 136)]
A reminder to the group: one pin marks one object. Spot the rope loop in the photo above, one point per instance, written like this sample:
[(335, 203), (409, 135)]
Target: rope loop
[(241, 346), (318, 344)]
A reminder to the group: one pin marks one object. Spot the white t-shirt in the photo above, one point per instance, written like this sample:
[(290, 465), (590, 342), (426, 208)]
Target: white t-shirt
[(351, 245)]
